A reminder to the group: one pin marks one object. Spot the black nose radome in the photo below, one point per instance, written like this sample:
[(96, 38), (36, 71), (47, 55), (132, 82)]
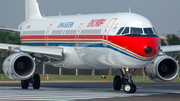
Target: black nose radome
[(148, 50)]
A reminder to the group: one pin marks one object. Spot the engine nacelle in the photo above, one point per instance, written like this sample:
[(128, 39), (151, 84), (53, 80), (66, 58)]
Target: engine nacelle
[(19, 66), (163, 68)]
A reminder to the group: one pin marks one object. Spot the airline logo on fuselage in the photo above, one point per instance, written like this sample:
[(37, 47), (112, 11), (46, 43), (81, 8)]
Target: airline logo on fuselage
[(96, 22), (65, 25)]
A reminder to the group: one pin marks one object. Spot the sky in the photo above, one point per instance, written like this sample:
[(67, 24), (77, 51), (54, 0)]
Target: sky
[(164, 14)]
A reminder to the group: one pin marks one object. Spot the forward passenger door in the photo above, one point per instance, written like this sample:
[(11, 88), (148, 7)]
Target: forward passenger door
[(107, 30)]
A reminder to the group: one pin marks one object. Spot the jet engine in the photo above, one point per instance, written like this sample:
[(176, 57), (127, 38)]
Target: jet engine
[(19, 66), (163, 68)]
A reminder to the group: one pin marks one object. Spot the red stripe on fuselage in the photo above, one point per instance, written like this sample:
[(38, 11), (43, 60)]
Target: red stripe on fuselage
[(62, 37), (135, 44)]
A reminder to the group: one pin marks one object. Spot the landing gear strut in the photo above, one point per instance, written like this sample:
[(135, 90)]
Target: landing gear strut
[(129, 86), (35, 80)]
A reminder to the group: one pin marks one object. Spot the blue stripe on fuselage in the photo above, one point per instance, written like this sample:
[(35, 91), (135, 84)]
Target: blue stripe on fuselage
[(83, 45)]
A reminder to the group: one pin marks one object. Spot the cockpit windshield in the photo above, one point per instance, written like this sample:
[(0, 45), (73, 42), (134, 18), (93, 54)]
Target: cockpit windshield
[(148, 31), (126, 31), (154, 31), (134, 30), (120, 30)]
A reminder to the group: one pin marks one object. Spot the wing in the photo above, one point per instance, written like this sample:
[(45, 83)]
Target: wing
[(35, 51), (10, 30), (172, 48)]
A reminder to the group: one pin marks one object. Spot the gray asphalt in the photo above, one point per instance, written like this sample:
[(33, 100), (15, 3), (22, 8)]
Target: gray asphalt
[(88, 91)]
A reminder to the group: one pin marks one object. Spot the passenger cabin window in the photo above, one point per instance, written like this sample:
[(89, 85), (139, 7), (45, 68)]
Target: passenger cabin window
[(126, 31), (120, 30), (136, 30), (148, 31)]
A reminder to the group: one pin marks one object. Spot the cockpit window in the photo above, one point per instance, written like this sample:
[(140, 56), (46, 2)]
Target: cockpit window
[(148, 31), (120, 30), (126, 31), (136, 30), (154, 31)]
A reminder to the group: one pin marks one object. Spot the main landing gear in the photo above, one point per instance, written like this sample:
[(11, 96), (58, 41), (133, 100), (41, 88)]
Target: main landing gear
[(35, 80), (129, 86)]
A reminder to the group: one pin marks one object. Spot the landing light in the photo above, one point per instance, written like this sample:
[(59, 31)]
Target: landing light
[(127, 69)]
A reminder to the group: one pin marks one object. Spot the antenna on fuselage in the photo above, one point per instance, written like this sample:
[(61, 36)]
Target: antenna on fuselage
[(129, 9), (59, 13)]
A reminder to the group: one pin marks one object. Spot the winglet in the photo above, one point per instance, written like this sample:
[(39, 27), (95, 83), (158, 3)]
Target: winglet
[(32, 10)]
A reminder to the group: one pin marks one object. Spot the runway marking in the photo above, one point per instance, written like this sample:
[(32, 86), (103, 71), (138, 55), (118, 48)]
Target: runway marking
[(69, 94)]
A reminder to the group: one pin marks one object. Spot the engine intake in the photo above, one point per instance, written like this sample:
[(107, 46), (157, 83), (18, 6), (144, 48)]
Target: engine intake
[(23, 66), (167, 68), (163, 68), (19, 66)]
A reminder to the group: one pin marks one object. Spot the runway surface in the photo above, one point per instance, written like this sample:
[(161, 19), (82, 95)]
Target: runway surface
[(88, 91)]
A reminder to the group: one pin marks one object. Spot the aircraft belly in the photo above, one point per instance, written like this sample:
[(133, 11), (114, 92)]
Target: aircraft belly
[(102, 58), (95, 58), (72, 60)]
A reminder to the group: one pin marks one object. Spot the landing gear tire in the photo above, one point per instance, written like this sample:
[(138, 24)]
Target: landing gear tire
[(36, 83), (134, 86), (24, 84), (117, 82), (129, 88)]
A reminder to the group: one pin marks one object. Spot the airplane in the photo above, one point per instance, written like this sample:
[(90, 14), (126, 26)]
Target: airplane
[(125, 41)]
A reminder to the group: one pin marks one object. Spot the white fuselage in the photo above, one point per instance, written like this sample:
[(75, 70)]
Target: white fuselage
[(91, 41)]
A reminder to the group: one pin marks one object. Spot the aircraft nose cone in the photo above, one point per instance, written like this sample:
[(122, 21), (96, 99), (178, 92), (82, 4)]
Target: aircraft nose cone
[(148, 50)]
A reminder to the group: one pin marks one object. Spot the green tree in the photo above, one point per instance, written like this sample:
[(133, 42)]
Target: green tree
[(172, 39), (163, 43), (10, 38), (3, 35)]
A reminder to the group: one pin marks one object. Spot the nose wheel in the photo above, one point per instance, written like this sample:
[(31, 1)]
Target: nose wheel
[(117, 82), (129, 86)]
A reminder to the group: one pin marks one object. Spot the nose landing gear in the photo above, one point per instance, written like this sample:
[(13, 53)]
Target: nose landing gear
[(117, 82), (129, 86)]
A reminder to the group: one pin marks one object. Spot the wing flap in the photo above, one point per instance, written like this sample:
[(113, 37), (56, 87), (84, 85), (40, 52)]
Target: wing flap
[(42, 50)]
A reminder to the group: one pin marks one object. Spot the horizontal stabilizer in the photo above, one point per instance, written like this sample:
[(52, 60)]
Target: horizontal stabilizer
[(10, 30)]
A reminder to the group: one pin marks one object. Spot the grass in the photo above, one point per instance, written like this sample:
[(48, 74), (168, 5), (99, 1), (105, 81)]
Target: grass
[(83, 78), (4, 78)]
